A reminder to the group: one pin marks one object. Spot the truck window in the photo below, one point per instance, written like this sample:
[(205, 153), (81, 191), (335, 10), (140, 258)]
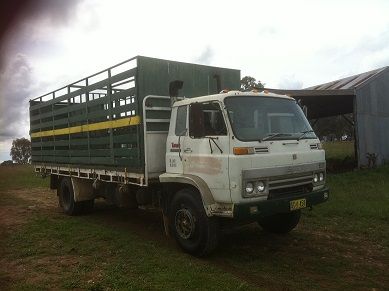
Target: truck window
[(254, 117), (213, 119), (181, 121)]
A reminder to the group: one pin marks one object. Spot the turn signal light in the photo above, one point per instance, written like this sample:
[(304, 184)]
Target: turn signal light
[(243, 151)]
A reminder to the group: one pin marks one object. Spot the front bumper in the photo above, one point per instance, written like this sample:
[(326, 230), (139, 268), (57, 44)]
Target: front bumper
[(282, 205)]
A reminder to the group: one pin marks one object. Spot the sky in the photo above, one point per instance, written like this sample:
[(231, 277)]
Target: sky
[(284, 44)]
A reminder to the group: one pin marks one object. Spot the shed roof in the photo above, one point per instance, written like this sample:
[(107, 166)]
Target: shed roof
[(332, 98), (349, 82)]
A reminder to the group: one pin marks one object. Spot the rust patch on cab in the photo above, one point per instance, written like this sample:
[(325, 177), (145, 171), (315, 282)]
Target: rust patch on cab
[(203, 165)]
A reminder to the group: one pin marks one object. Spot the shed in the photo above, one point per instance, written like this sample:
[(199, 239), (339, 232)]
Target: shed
[(366, 96)]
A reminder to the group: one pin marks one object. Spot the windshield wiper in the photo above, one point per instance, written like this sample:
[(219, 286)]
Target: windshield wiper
[(303, 133), (270, 136)]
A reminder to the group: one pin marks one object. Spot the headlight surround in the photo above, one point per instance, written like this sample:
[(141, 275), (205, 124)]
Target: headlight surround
[(319, 178), (254, 188)]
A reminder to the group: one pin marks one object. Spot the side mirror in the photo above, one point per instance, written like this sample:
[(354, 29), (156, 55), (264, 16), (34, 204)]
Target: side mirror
[(196, 121), (303, 107)]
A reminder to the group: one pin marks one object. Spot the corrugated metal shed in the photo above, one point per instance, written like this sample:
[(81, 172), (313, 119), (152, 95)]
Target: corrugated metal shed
[(365, 95), (349, 82)]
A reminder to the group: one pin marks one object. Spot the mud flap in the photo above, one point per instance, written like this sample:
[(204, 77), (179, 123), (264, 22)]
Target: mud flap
[(165, 219)]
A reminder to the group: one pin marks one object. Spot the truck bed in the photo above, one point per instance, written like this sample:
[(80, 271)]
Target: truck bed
[(100, 125)]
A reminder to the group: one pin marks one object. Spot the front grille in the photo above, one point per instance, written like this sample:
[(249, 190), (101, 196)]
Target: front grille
[(261, 150), (314, 146), (289, 192), (289, 185)]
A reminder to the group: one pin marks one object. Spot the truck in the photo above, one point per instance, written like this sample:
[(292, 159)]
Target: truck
[(181, 138)]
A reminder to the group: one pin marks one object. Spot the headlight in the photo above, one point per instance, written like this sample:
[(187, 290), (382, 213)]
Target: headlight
[(260, 186), (249, 188), (318, 177), (255, 189)]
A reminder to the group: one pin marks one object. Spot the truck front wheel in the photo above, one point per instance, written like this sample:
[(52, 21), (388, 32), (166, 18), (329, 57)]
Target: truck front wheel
[(66, 199), (194, 231), (281, 222)]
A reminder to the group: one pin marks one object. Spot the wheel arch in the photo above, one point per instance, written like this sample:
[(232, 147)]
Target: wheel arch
[(177, 182), (82, 188)]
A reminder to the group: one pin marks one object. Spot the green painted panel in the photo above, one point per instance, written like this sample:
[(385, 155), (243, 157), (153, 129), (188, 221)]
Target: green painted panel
[(155, 75), (152, 77), (158, 115)]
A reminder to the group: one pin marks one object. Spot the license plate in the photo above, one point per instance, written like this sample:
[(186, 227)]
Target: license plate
[(298, 204)]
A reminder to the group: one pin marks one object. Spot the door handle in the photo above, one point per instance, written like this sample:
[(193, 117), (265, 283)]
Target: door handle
[(187, 150)]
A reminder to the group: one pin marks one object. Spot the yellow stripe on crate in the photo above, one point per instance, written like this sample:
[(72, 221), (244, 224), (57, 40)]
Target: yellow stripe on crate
[(134, 120)]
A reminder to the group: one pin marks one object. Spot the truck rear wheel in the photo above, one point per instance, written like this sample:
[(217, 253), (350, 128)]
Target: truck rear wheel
[(66, 199), (194, 231), (87, 205), (281, 222)]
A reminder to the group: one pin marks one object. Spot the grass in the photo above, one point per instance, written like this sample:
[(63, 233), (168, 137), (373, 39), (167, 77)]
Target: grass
[(339, 149), (343, 245), (359, 204), (103, 257), (20, 176), (340, 156)]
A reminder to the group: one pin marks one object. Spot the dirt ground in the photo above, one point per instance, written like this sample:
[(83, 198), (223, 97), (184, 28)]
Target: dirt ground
[(22, 205), (14, 214)]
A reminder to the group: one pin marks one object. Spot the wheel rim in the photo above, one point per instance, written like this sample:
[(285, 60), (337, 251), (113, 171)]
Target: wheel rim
[(185, 223)]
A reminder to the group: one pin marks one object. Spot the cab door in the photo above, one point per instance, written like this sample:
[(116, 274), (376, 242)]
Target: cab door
[(177, 132), (205, 152)]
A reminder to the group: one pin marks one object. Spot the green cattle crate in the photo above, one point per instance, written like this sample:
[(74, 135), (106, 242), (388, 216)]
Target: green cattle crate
[(96, 122)]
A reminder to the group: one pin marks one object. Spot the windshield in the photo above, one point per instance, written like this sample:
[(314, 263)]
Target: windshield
[(257, 118)]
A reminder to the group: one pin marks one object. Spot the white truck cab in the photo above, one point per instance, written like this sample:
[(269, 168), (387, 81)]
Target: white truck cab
[(251, 156)]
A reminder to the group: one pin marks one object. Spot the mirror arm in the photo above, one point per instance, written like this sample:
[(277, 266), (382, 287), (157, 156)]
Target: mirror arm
[(210, 145), (213, 140), (179, 147)]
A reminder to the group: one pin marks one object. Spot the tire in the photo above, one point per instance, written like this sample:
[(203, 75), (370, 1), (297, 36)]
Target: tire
[(87, 206), (66, 199), (194, 231), (280, 223)]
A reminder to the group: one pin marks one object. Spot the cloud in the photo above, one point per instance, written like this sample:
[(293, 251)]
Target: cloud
[(206, 56), (16, 85), (290, 82), (30, 15), (267, 31), (30, 28), (58, 12), (5, 148), (370, 52)]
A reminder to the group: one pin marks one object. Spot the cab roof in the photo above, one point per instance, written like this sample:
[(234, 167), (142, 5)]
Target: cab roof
[(222, 96)]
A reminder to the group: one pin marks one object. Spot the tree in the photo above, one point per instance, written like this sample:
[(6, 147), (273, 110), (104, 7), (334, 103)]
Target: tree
[(21, 150), (249, 83)]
